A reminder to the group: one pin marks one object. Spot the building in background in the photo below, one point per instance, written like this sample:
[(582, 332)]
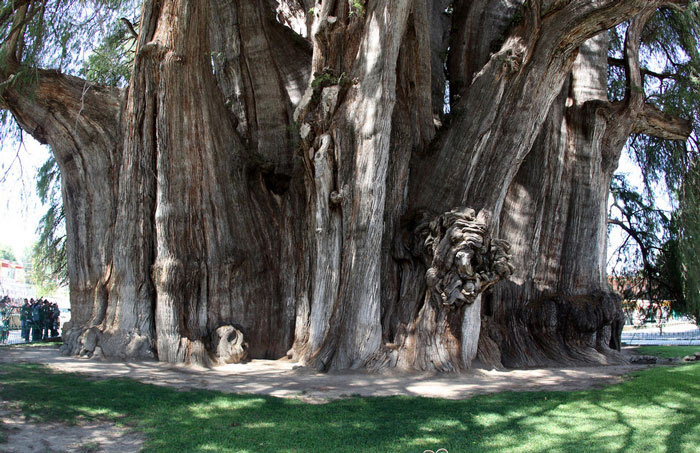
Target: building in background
[(13, 281)]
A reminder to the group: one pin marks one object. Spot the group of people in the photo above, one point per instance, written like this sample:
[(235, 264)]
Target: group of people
[(39, 319)]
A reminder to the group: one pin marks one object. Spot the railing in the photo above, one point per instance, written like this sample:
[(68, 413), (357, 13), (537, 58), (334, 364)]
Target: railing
[(667, 333), (12, 337)]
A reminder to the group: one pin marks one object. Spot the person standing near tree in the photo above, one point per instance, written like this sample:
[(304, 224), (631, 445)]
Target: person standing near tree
[(46, 315), (25, 315), (36, 319), (55, 315), (4, 319)]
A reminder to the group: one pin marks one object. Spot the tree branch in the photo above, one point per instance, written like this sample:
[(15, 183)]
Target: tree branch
[(15, 42), (61, 112), (648, 267), (580, 20), (620, 63), (654, 122), (17, 4), (634, 96)]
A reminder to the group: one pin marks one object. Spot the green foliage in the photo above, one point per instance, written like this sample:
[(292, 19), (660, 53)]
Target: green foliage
[(111, 62), (656, 411), (650, 258), (689, 242), (327, 78), (6, 253), (60, 34), (49, 267)]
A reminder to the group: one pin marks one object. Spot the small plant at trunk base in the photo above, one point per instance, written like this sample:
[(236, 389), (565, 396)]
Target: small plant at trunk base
[(327, 78)]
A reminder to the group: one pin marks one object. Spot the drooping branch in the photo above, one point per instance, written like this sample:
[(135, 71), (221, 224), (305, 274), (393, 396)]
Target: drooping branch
[(644, 249)]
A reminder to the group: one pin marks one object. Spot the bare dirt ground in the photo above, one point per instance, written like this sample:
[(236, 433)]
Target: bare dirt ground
[(278, 378), (27, 437), (285, 379)]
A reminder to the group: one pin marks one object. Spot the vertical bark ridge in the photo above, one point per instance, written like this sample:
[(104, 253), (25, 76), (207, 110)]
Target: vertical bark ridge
[(413, 128), (361, 134)]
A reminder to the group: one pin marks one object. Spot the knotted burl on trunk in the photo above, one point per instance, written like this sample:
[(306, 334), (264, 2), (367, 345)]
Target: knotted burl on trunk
[(228, 345), (464, 260)]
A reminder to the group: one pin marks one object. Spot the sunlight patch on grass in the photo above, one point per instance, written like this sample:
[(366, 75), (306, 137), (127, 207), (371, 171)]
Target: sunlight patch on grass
[(658, 410), (205, 411), (258, 425)]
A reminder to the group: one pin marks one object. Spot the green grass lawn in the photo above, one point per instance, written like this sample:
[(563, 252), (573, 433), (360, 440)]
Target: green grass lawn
[(657, 410), (56, 342), (668, 352)]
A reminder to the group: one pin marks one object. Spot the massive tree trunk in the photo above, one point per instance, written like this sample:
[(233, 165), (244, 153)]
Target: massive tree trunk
[(287, 172)]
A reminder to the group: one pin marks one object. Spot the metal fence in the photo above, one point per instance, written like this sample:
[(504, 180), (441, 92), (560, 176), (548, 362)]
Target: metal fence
[(13, 337), (671, 333)]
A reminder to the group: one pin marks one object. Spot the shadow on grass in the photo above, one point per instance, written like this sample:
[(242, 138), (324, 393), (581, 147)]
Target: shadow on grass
[(656, 410)]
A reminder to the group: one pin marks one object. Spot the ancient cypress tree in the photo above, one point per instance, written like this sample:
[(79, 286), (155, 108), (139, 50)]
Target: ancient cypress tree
[(381, 183)]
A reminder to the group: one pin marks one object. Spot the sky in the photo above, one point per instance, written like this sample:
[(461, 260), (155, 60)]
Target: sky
[(20, 207)]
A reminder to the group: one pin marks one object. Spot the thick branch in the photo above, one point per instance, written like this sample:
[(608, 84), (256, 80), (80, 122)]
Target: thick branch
[(15, 6), (494, 124), (654, 122), (65, 111), (634, 95), (18, 23), (582, 19)]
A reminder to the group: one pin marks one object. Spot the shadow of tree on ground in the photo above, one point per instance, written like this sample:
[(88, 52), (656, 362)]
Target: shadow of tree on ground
[(654, 410)]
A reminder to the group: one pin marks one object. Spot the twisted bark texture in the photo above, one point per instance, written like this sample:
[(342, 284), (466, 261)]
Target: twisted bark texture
[(293, 178)]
